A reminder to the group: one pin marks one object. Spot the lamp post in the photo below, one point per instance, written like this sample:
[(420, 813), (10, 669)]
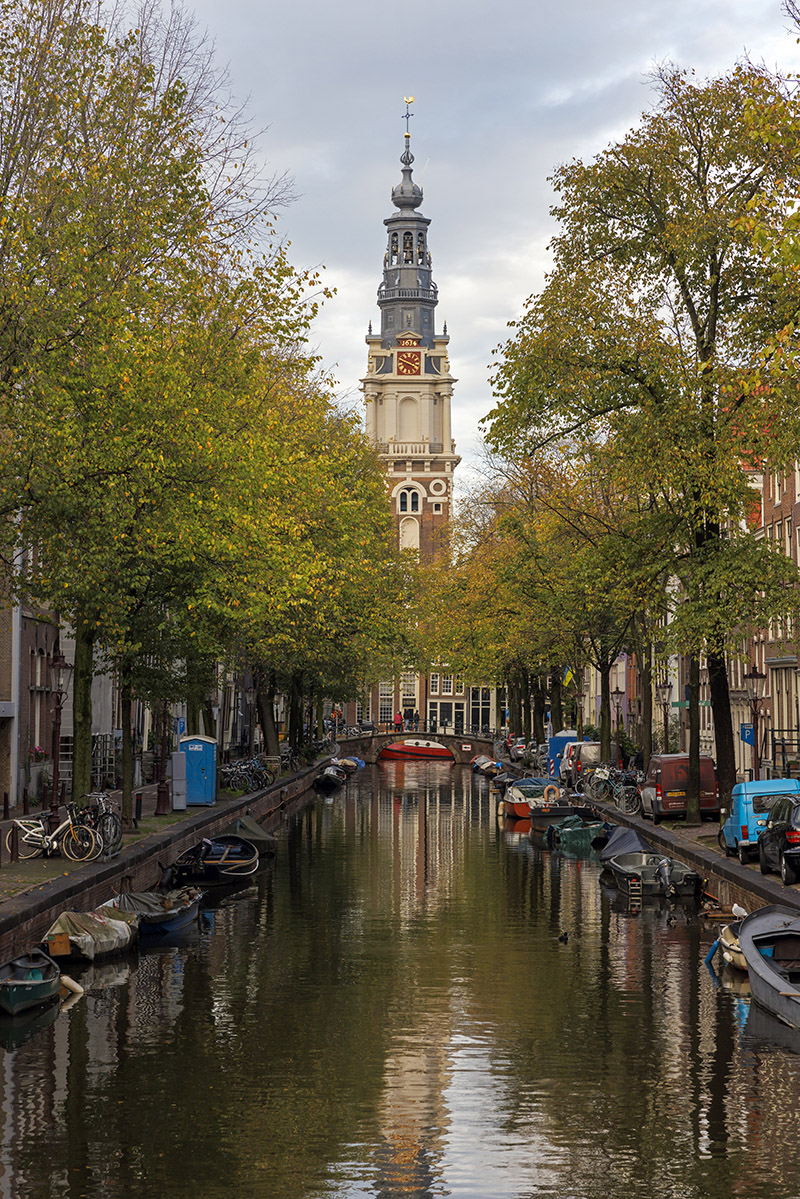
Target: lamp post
[(664, 693), (60, 675), (617, 695), (250, 695), (754, 681)]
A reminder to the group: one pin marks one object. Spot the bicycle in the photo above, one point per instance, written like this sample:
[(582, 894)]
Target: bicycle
[(102, 817), (77, 841)]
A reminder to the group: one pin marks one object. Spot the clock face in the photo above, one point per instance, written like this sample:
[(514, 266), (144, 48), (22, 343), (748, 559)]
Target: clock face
[(408, 362)]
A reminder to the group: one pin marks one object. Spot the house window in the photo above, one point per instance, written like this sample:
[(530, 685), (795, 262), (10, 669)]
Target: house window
[(386, 702), (409, 689), (447, 684), (459, 686), (434, 684), (437, 507)]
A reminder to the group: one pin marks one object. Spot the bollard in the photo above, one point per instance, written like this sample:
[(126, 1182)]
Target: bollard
[(25, 804), (6, 809), (14, 843), (137, 811)]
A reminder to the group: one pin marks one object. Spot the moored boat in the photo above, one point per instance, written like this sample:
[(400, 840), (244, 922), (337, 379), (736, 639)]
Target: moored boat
[(654, 874), (245, 826), (214, 861), (769, 939), (574, 835), (416, 747), (330, 779), (87, 936), (160, 912), (28, 981), (729, 945)]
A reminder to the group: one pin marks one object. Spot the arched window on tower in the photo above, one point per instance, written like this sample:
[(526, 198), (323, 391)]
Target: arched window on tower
[(408, 247), (409, 500), (393, 248), (421, 249)]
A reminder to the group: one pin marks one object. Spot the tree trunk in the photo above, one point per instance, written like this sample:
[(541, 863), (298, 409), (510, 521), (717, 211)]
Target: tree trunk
[(693, 788), (556, 710), (539, 706), (514, 714), (723, 727), (82, 708), (127, 744), (526, 705), (266, 718), (296, 712), (646, 677), (605, 712)]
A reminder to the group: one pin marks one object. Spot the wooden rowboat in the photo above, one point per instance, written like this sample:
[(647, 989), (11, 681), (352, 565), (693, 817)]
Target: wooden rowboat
[(28, 981)]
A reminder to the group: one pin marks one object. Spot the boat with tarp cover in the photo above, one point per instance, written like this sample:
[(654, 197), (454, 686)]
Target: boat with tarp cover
[(88, 936), (160, 912)]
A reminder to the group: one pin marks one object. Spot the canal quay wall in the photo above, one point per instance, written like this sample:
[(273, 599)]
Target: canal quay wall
[(728, 881), (25, 918)]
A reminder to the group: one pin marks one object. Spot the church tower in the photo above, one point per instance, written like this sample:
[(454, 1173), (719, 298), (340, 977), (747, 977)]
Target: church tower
[(408, 386)]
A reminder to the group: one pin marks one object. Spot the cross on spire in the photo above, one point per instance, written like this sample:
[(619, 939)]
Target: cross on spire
[(408, 114)]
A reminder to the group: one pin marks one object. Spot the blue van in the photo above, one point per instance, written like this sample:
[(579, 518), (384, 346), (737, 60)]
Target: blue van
[(749, 812)]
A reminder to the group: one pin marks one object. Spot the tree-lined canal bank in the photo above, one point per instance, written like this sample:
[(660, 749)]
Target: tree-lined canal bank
[(392, 1008)]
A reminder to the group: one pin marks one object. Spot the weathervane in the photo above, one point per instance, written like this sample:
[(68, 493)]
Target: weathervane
[(407, 157)]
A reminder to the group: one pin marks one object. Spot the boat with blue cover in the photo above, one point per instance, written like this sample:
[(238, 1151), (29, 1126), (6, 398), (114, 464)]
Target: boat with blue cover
[(160, 912)]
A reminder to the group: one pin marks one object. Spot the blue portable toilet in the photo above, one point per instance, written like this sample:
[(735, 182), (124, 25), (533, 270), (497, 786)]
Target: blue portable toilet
[(201, 769)]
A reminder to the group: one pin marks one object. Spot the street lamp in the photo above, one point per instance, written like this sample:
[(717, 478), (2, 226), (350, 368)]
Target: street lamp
[(250, 695), (60, 675), (664, 693), (754, 681), (617, 695)]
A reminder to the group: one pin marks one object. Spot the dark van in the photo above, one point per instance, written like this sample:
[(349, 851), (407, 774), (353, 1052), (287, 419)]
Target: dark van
[(665, 787)]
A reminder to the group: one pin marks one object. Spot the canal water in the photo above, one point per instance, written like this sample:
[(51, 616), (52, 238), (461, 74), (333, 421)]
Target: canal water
[(412, 1001)]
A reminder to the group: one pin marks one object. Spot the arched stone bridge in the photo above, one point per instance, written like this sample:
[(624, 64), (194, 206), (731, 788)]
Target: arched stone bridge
[(462, 746)]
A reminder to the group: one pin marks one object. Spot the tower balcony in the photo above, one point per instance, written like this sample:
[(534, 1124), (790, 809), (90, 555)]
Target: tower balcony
[(407, 293), (410, 449)]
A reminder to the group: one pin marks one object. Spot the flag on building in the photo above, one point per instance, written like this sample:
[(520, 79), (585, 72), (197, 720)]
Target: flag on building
[(569, 675)]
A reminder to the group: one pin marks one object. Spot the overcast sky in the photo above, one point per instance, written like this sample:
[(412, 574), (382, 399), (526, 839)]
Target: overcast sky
[(504, 91)]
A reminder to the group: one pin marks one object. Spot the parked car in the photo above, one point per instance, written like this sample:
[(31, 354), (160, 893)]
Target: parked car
[(539, 753), (666, 782), (517, 749), (751, 804), (565, 762), (585, 757), (779, 842)]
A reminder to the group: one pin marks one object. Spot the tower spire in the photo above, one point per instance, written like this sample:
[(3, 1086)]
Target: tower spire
[(407, 157)]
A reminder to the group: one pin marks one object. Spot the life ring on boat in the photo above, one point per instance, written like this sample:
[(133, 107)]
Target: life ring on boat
[(551, 793)]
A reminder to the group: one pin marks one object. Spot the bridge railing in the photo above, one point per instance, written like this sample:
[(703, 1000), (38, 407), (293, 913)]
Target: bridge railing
[(428, 727)]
